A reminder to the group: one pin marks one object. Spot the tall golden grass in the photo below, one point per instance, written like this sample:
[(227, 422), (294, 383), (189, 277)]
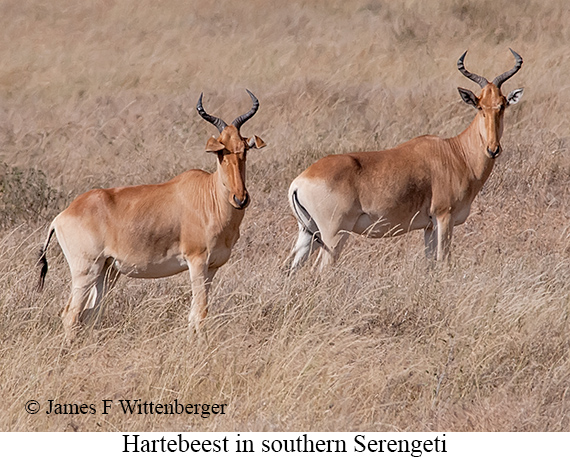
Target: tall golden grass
[(103, 93)]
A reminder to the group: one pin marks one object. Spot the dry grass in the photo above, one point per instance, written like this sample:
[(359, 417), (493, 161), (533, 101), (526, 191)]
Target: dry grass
[(102, 93)]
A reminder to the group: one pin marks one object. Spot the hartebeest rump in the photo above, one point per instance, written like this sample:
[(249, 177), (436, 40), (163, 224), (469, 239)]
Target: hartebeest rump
[(151, 231), (427, 183)]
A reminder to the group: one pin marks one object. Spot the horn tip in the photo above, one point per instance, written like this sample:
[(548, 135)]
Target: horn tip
[(253, 97), (516, 54)]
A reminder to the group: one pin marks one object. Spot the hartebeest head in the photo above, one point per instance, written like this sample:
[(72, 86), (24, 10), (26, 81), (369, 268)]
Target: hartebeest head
[(491, 103), (231, 149)]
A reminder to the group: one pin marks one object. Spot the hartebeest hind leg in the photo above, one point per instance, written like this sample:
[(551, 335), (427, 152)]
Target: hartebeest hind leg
[(306, 244), (201, 279), (88, 286), (331, 248), (303, 247)]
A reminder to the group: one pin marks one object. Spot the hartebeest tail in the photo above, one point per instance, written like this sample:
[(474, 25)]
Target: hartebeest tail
[(304, 218), (426, 183), (43, 260), (309, 233), (151, 231)]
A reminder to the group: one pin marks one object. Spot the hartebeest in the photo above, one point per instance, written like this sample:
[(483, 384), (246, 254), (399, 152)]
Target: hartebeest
[(427, 183), (151, 231)]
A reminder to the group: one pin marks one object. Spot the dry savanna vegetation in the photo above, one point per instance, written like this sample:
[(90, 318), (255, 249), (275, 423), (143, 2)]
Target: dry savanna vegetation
[(103, 93)]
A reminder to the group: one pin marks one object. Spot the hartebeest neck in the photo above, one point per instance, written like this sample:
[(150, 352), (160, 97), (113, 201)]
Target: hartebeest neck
[(472, 143), (221, 200)]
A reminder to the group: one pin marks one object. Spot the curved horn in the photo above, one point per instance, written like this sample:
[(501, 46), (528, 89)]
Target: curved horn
[(472, 76), (218, 123), (499, 80), (239, 121)]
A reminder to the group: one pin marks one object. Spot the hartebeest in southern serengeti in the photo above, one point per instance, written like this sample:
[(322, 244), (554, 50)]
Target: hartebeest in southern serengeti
[(427, 183), (151, 231)]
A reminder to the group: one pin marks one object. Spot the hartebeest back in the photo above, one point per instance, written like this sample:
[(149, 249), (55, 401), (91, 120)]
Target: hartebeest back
[(151, 231), (427, 183)]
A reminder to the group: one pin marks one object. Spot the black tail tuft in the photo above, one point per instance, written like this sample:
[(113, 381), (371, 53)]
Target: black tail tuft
[(43, 262)]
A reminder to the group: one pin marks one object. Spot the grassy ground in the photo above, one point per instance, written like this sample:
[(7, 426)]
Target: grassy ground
[(103, 93)]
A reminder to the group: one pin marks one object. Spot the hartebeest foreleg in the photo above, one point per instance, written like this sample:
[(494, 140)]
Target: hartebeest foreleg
[(437, 237), (430, 242), (444, 232), (201, 279)]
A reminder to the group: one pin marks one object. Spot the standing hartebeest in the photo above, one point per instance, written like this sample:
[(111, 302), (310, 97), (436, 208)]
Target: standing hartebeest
[(427, 183), (151, 231)]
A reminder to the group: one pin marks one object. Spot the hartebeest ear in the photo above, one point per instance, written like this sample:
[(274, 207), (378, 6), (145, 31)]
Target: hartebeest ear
[(468, 97), (514, 96), (256, 142), (214, 145)]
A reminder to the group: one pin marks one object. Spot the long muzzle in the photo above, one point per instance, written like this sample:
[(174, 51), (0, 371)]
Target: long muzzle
[(241, 204)]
